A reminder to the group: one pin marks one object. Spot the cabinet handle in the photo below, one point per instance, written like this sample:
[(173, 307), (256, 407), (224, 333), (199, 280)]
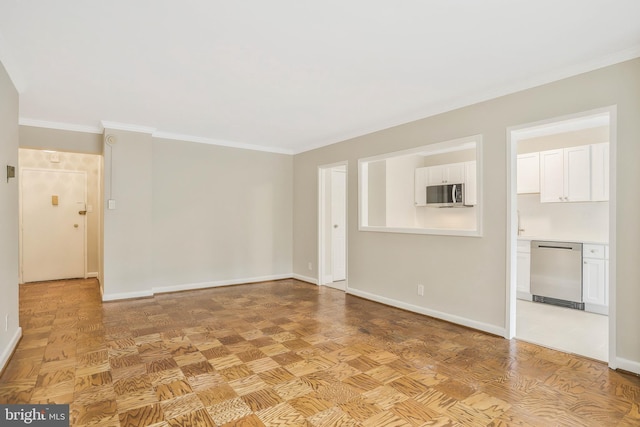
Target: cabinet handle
[(560, 198)]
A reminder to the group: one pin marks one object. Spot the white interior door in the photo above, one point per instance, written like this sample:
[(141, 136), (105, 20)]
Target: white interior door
[(338, 224), (53, 224)]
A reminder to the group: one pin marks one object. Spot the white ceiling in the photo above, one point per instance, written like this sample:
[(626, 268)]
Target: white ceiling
[(291, 75)]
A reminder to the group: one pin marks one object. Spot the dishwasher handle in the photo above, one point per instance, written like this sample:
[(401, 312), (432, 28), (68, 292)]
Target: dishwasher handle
[(557, 245)]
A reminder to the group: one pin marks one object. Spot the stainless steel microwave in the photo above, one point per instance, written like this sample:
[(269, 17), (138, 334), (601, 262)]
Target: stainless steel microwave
[(445, 195)]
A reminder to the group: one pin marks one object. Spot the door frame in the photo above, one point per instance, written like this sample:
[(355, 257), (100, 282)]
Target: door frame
[(323, 198), (21, 212), (511, 223)]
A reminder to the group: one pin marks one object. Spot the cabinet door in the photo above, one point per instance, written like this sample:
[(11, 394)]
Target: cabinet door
[(600, 172), (552, 176), (454, 173), (435, 175), (523, 272), (528, 173), (593, 281), (577, 174), (420, 190)]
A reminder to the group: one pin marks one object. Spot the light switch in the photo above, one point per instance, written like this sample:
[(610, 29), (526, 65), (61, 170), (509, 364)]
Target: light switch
[(111, 204), (54, 200), (89, 208)]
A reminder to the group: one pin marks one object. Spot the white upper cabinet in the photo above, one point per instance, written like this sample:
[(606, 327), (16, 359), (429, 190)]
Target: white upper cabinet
[(577, 172), (528, 173), (445, 174), (565, 175), (600, 172)]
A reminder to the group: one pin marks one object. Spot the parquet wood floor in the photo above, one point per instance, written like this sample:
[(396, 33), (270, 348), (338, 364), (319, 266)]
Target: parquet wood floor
[(287, 353)]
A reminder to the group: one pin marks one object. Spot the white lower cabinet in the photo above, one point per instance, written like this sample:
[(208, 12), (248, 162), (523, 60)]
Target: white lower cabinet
[(523, 270), (595, 292)]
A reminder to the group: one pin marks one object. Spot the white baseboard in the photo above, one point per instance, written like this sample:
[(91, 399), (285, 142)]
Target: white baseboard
[(92, 274), (305, 278), (470, 323), (8, 351), (628, 365), (126, 295), (191, 287), (218, 283)]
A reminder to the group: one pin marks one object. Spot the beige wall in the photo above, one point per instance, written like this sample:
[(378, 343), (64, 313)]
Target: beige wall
[(9, 332), (62, 140), (220, 214), (465, 277), (128, 230), (89, 163)]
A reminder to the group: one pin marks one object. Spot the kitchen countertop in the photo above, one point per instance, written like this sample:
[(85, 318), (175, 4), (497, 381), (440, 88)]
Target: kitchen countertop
[(569, 240)]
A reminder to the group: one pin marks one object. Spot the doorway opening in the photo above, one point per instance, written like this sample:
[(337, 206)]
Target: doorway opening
[(60, 215), (332, 225), (561, 191)]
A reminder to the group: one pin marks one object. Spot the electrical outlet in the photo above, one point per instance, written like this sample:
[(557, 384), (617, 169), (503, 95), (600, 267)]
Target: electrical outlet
[(421, 290), (309, 266)]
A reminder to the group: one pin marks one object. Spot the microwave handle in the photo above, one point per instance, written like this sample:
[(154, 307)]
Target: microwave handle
[(453, 193)]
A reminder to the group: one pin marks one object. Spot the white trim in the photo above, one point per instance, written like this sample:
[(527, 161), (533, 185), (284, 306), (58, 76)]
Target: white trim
[(219, 142), (92, 274), (470, 323), (613, 237), (322, 171), (8, 351), (307, 279), (218, 283), (126, 295), (496, 92), (627, 365), (127, 127), (25, 121), (193, 286), (434, 231)]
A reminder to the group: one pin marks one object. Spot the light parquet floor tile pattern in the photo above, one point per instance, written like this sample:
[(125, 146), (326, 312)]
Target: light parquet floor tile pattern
[(287, 353)]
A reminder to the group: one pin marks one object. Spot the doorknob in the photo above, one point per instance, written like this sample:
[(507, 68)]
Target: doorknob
[(335, 225), (75, 225), (82, 212)]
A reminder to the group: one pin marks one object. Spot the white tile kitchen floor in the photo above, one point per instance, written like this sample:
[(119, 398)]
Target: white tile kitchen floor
[(564, 329)]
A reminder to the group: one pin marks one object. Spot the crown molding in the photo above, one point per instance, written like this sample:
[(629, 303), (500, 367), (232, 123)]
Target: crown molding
[(127, 127), (25, 121), (220, 142)]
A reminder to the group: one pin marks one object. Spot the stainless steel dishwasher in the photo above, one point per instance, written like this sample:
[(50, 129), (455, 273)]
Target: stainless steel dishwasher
[(556, 273)]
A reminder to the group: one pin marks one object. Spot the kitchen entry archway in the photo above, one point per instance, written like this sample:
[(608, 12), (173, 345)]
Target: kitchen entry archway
[(553, 126), (332, 225)]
